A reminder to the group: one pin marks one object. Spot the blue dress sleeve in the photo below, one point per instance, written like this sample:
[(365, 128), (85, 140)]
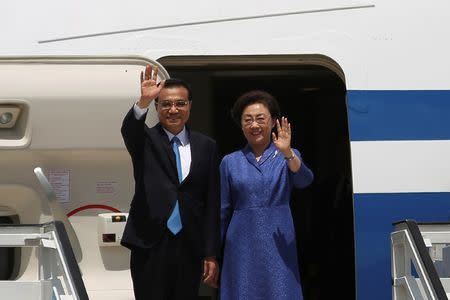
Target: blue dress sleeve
[(226, 206), (304, 176)]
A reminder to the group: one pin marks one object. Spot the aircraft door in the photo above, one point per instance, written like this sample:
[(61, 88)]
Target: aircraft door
[(63, 115)]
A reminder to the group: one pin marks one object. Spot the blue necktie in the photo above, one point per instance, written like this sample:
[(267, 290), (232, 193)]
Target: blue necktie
[(174, 221)]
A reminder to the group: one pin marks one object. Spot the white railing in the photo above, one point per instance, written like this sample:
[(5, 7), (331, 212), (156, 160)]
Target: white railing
[(58, 276), (414, 274)]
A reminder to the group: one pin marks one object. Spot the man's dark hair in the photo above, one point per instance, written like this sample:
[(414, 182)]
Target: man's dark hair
[(252, 97), (176, 82)]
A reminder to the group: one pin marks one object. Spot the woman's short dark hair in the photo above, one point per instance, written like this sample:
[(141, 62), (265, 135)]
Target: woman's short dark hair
[(252, 97)]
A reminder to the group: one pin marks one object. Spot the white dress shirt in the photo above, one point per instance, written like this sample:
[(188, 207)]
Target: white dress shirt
[(184, 148)]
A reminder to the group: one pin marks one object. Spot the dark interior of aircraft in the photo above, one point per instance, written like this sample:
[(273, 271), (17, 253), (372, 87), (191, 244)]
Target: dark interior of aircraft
[(7, 254), (313, 97)]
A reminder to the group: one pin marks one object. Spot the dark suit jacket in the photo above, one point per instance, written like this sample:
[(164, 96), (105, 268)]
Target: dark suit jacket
[(157, 188)]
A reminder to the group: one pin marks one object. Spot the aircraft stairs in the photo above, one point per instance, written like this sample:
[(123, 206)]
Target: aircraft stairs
[(420, 260), (56, 272)]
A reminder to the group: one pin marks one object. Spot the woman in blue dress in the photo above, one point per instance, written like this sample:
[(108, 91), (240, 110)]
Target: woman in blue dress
[(260, 252)]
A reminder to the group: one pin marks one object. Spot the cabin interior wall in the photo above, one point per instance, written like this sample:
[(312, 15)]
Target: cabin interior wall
[(313, 99)]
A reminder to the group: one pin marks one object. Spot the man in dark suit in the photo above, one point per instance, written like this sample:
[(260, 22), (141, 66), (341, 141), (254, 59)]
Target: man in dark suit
[(173, 224)]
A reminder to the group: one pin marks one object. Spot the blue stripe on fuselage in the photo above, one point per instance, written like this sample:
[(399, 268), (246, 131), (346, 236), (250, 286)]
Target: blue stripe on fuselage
[(399, 115), (374, 215)]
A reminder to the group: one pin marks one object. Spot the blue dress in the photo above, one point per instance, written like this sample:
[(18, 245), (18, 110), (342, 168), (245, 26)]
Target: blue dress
[(260, 252)]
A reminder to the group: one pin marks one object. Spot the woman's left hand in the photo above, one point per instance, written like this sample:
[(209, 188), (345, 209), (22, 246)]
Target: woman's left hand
[(283, 139)]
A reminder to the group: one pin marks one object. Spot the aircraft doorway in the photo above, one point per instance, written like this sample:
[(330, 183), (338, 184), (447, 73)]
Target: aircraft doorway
[(311, 92)]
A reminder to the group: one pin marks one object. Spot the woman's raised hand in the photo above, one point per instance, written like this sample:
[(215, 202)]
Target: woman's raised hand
[(282, 139)]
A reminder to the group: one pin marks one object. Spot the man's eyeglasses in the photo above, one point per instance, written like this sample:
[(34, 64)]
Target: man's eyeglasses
[(167, 104)]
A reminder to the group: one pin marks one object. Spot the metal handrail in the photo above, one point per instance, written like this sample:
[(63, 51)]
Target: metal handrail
[(408, 247), (55, 256)]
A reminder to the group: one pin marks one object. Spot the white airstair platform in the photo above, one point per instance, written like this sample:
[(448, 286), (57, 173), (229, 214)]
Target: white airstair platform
[(57, 275), (420, 261)]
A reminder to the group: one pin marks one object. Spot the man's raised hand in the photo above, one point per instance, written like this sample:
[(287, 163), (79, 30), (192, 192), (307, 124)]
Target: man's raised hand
[(149, 88)]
